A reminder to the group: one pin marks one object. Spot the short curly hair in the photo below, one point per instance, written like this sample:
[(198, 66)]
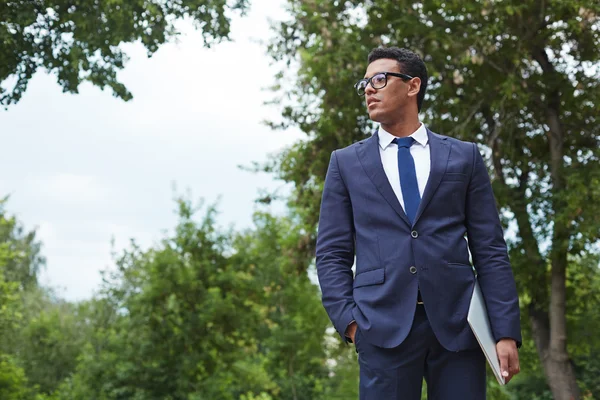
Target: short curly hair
[(410, 63)]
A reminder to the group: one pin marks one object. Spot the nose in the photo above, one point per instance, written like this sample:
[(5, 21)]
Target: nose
[(369, 89)]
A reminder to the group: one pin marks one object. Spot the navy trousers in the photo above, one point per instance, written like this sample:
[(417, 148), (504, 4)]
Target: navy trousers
[(397, 374)]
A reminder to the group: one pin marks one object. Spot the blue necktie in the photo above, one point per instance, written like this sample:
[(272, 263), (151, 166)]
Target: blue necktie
[(408, 177)]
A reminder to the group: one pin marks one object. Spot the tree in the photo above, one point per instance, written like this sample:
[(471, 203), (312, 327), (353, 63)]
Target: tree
[(50, 339), (22, 259), (294, 330), (519, 78), (13, 382), (206, 314), (185, 324), (80, 41), (10, 312)]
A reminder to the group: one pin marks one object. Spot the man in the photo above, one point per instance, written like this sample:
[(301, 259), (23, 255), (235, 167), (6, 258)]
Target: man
[(401, 202)]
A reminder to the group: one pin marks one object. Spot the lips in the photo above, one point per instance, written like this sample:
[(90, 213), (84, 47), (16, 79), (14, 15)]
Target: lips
[(372, 100)]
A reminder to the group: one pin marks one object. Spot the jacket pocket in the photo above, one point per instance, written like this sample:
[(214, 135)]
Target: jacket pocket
[(454, 177), (371, 277)]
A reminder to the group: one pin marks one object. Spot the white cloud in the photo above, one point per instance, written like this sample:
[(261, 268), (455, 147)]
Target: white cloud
[(46, 232), (87, 167), (70, 188), (77, 252)]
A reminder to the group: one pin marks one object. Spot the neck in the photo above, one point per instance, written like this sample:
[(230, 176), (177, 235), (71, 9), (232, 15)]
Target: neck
[(402, 128)]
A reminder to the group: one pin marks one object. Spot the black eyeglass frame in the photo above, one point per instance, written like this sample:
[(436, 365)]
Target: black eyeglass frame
[(369, 80)]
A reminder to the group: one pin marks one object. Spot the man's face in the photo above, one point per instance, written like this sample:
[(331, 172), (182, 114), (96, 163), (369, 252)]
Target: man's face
[(387, 104)]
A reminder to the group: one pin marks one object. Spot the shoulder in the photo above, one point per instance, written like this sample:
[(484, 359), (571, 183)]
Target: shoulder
[(463, 151), (464, 148), (350, 150), (352, 147), (463, 144)]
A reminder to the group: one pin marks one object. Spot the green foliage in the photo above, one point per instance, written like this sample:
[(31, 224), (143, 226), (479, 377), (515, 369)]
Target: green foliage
[(519, 78), (19, 251), (14, 252), (220, 315), (49, 344), (206, 314), (10, 312), (10, 307), (343, 382), (13, 383), (485, 86), (293, 329), (223, 315), (80, 41), (185, 318)]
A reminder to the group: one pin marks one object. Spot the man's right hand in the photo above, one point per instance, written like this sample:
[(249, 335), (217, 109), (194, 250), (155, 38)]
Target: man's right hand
[(351, 331)]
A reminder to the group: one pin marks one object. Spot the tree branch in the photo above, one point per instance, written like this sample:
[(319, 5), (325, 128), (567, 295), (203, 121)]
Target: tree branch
[(517, 202)]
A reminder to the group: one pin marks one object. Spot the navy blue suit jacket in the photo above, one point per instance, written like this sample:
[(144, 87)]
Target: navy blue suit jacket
[(361, 217)]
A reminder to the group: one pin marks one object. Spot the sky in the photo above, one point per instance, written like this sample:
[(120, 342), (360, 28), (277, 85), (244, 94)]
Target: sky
[(83, 169)]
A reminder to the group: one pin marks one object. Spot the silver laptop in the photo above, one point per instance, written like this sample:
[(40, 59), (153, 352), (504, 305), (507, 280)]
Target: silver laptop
[(480, 325)]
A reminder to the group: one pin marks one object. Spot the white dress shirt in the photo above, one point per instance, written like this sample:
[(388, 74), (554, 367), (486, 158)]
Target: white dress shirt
[(389, 158)]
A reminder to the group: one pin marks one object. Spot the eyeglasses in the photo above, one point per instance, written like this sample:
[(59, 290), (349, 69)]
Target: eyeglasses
[(377, 81)]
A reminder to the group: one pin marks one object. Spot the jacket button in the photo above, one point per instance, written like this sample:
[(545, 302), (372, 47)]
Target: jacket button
[(413, 269), (414, 234)]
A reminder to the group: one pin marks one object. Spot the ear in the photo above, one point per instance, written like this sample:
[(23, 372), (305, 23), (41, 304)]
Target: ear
[(414, 86)]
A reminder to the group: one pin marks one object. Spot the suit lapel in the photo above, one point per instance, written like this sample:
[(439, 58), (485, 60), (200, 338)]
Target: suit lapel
[(439, 149), (370, 158)]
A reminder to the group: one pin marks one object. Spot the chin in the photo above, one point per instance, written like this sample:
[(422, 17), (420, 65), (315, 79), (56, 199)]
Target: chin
[(375, 116)]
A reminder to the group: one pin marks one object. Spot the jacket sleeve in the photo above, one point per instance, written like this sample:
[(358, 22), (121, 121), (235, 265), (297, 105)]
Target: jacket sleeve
[(490, 256), (335, 249)]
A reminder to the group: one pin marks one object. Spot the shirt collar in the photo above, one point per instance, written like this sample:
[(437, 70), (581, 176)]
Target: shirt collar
[(420, 136)]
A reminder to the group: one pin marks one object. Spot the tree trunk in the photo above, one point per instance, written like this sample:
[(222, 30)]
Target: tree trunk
[(548, 321), (558, 368), (561, 378), (559, 371)]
